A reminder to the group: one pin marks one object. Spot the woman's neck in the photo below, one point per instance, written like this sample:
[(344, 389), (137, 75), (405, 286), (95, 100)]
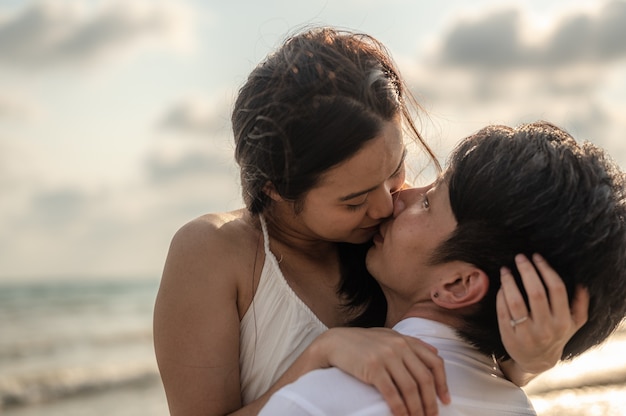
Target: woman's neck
[(286, 232)]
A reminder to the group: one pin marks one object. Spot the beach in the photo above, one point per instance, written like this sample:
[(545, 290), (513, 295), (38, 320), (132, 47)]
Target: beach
[(73, 347)]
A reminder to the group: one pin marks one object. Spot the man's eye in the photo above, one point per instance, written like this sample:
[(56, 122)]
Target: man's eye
[(425, 202)]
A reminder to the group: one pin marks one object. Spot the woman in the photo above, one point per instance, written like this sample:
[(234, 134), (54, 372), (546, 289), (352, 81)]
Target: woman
[(247, 297)]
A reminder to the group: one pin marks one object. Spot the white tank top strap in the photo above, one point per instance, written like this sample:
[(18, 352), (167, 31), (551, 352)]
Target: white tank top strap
[(266, 238), (275, 330)]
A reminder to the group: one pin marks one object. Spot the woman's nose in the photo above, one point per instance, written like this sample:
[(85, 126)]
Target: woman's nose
[(381, 204), (406, 197)]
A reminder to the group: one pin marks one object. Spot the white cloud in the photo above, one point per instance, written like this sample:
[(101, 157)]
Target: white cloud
[(165, 168), (490, 70), (122, 231), (58, 32), (17, 106), (198, 116), (505, 40)]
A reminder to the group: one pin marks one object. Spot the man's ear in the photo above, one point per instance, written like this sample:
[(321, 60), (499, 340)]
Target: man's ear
[(270, 190), (466, 286)]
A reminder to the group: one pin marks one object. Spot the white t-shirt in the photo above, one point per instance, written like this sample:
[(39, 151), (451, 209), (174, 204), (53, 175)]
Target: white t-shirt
[(477, 386)]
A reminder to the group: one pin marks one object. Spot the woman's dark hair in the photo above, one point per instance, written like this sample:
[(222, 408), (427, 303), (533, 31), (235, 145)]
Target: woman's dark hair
[(311, 105), (534, 189)]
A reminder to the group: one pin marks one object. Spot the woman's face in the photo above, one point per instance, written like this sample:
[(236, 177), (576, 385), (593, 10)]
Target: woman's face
[(352, 198)]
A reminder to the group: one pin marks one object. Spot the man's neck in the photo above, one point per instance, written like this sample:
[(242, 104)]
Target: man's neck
[(428, 311)]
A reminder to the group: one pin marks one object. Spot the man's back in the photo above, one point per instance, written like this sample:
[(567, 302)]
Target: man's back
[(477, 386)]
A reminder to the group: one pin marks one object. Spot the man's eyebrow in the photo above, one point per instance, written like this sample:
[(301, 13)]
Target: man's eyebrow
[(359, 193)]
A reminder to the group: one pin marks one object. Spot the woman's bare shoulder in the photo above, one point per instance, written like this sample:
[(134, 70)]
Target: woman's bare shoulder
[(216, 241), (220, 228)]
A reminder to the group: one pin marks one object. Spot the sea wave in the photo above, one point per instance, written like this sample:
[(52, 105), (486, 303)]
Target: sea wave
[(16, 349), (49, 385)]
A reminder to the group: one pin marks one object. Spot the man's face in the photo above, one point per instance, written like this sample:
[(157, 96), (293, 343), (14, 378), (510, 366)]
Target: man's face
[(399, 259)]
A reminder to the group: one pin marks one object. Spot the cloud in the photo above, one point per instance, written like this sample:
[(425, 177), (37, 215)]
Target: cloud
[(57, 208), (164, 168), (117, 231), (491, 42), (502, 40), (501, 56), (61, 31), (503, 68), (197, 116), (16, 107)]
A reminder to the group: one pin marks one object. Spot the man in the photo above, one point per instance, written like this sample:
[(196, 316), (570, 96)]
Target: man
[(506, 191)]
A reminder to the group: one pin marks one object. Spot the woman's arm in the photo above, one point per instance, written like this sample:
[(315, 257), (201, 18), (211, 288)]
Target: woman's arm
[(196, 326), (408, 372), (536, 344)]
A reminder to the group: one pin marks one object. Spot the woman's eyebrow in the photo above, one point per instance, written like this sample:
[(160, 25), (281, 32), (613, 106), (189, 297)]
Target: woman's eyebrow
[(356, 194)]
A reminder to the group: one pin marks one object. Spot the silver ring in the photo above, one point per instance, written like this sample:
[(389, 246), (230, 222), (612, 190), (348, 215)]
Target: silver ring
[(515, 322)]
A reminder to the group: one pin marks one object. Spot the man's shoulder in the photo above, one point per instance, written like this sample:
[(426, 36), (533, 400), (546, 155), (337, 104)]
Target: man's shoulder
[(328, 391), (319, 384)]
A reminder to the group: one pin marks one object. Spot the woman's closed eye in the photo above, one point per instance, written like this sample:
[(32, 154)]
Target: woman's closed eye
[(356, 207)]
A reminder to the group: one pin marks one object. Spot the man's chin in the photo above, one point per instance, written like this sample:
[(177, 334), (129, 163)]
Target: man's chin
[(370, 261)]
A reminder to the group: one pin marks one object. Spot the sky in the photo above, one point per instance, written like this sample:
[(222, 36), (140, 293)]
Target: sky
[(114, 115)]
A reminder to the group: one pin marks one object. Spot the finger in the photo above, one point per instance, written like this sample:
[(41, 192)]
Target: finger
[(580, 306), (417, 345), (387, 388), (504, 317), (427, 393), (557, 292), (537, 297), (514, 300), (427, 345), (435, 365), (415, 384)]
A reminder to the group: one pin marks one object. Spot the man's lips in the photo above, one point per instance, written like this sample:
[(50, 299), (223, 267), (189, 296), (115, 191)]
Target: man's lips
[(379, 236)]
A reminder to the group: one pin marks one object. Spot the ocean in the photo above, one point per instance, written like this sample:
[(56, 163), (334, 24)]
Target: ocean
[(79, 348), (70, 348)]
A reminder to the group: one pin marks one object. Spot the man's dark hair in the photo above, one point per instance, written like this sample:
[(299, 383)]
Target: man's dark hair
[(534, 189)]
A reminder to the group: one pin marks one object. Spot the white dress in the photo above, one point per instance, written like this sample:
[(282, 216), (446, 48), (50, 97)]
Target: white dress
[(275, 330)]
